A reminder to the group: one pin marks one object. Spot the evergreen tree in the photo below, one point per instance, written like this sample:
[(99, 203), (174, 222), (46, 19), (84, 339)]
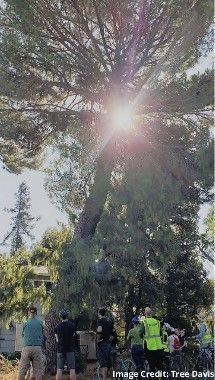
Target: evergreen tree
[(210, 223), (22, 222), (66, 65)]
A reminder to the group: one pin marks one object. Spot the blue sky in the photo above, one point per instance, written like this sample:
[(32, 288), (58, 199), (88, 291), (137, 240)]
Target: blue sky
[(41, 205)]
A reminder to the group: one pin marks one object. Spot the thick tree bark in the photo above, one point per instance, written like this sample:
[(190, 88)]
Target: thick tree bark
[(51, 321), (94, 204), (88, 222), (128, 310)]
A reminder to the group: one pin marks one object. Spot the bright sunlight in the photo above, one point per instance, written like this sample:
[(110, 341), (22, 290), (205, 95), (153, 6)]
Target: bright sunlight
[(122, 118)]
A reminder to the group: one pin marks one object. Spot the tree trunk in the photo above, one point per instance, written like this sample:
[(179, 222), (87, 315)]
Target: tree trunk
[(88, 222), (94, 204), (51, 321), (128, 310)]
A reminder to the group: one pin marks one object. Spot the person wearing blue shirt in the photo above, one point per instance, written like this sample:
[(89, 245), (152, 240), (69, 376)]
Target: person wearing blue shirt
[(204, 336), (33, 340)]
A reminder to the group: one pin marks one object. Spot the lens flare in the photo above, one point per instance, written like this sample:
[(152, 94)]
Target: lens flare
[(122, 118)]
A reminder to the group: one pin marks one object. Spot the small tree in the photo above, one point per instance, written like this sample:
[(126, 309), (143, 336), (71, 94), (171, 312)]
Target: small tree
[(22, 222)]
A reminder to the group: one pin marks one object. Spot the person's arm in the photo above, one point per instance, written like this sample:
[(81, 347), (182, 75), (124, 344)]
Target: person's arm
[(99, 331), (171, 341), (56, 335), (43, 337), (142, 331), (23, 328), (128, 340)]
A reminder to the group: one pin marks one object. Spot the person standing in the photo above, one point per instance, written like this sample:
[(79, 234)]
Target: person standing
[(33, 338), (204, 335), (174, 341), (152, 341), (113, 341), (104, 334), (65, 338), (31, 373), (135, 336)]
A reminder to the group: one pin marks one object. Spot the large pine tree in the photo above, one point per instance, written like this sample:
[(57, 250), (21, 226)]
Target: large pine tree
[(65, 65)]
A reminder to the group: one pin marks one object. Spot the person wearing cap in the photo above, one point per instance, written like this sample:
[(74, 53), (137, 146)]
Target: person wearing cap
[(65, 338), (153, 341), (33, 338), (135, 337)]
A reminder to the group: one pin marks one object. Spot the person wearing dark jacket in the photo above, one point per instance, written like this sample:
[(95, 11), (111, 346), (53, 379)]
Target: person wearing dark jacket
[(104, 337), (65, 336)]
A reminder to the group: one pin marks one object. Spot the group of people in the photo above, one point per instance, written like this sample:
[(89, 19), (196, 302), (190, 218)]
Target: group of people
[(147, 340), (33, 357)]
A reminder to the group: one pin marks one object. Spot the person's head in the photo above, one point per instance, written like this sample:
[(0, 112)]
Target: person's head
[(32, 312), (135, 321), (148, 312), (64, 315), (102, 312), (177, 331), (202, 316)]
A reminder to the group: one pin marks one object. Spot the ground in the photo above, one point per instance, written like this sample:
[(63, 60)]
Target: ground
[(88, 375)]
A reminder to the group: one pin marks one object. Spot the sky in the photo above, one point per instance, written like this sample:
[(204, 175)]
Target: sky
[(41, 204)]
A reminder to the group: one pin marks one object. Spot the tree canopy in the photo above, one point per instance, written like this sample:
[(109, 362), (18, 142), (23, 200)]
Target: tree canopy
[(66, 67)]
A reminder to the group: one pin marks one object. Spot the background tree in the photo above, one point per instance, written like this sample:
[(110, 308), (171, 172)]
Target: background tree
[(16, 287), (22, 222), (206, 242), (210, 223), (187, 290)]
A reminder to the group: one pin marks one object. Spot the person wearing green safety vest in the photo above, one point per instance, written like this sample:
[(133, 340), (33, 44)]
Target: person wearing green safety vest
[(152, 341)]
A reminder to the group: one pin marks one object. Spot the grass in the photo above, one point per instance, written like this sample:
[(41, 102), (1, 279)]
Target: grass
[(8, 368)]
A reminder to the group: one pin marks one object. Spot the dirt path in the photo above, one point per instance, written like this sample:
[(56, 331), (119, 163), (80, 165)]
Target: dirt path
[(89, 374)]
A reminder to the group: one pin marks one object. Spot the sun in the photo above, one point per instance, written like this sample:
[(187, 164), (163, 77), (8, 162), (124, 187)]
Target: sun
[(122, 118)]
